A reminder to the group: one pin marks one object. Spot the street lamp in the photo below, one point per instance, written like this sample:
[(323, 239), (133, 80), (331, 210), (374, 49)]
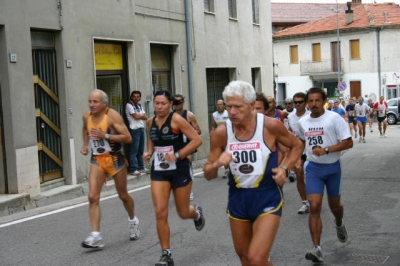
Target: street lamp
[(338, 41), (337, 46)]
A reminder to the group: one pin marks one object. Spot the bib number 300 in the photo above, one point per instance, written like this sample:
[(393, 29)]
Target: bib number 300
[(245, 156)]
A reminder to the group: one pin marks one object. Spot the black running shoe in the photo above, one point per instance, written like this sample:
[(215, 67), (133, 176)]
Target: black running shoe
[(199, 224), (165, 259)]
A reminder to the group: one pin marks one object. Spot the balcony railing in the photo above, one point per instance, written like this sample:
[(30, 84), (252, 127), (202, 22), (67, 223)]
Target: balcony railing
[(320, 67)]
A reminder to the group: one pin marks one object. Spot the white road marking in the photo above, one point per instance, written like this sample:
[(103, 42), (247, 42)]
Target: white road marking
[(71, 207)]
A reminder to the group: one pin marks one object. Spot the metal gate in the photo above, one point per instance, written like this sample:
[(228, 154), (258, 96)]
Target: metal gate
[(47, 114)]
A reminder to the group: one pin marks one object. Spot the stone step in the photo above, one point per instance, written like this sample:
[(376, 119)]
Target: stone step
[(14, 203), (58, 194)]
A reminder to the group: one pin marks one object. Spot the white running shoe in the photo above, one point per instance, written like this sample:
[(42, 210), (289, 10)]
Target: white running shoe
[(315, 254), (384, 135), (355, 136), (359, 140), (134, 232), (364, 140), (135, 173), (93, 242), (305, 208)]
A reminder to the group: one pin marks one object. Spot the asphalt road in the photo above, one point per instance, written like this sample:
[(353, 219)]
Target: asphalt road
[(371, 194)]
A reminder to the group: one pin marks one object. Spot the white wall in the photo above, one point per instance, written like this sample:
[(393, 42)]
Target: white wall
[(364, 69)]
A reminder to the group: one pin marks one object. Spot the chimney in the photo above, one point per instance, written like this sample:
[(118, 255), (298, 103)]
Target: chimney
[(349, 13), (386, 15)]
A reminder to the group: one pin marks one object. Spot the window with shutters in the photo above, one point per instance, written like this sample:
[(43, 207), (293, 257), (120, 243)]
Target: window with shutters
[(232, 9), (355, 49), (316, 52), (256, 11), (209, 6), (294, 54), (161, 67)]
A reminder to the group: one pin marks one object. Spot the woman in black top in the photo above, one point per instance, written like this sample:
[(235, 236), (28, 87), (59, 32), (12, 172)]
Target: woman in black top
[(170, 169)]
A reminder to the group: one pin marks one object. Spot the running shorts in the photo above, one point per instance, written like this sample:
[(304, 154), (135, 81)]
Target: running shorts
[(246, 204), (320, 175), (109, 163)]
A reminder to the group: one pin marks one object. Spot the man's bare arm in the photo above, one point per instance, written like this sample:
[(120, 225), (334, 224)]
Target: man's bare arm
[(213, 124), (117, 123), (193, 121), (217, 157)]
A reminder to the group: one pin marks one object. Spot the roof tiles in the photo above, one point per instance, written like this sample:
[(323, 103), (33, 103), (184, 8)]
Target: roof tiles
[(364, 15)]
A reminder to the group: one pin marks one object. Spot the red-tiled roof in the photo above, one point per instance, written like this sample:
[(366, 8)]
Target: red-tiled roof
[(364, 15), (301, 12)]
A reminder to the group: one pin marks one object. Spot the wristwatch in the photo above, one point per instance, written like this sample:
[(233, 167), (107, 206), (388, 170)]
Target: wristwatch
[(107, 136), (177, 155), (326, 149), (286, 170)]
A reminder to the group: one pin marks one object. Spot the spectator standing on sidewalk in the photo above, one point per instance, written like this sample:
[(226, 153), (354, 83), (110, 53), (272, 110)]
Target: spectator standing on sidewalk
[(381, 108), (325, 134), (136, 117), (299, 100), (105, 131)]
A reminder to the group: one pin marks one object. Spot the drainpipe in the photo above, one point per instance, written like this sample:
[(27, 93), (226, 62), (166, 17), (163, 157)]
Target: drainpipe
[(188, 18), (378, 52)]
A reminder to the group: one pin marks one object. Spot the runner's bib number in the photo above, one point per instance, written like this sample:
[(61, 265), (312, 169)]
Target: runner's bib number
[(160, 164), (315, 138), (99, 146), (247, 158)]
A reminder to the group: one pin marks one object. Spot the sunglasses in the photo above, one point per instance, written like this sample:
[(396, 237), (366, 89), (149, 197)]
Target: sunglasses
[(298, 102)]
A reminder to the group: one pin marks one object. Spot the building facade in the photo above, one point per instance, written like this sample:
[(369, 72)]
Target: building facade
[(54, 53), (364, 62)]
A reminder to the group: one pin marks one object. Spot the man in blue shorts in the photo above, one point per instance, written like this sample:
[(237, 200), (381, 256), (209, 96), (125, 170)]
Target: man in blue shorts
[(325, 134), (362, 112), (247, 143)]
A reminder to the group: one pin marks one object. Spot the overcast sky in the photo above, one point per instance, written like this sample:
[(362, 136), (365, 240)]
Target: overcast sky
[(334, 1)]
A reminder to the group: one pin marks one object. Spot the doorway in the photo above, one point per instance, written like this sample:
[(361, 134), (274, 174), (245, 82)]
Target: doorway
[(47, 110), (355, 89), (217, 79)]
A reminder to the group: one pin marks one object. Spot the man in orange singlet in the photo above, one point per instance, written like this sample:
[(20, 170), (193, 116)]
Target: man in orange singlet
[(105, 131)]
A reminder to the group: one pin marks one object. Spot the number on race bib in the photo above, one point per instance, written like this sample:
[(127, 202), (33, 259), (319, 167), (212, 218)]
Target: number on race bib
[(160, 157), (98, 143), (312, 141), (245, 156)]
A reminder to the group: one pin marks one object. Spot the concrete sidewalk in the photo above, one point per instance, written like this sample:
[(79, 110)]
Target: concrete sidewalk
[(18, 206)]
